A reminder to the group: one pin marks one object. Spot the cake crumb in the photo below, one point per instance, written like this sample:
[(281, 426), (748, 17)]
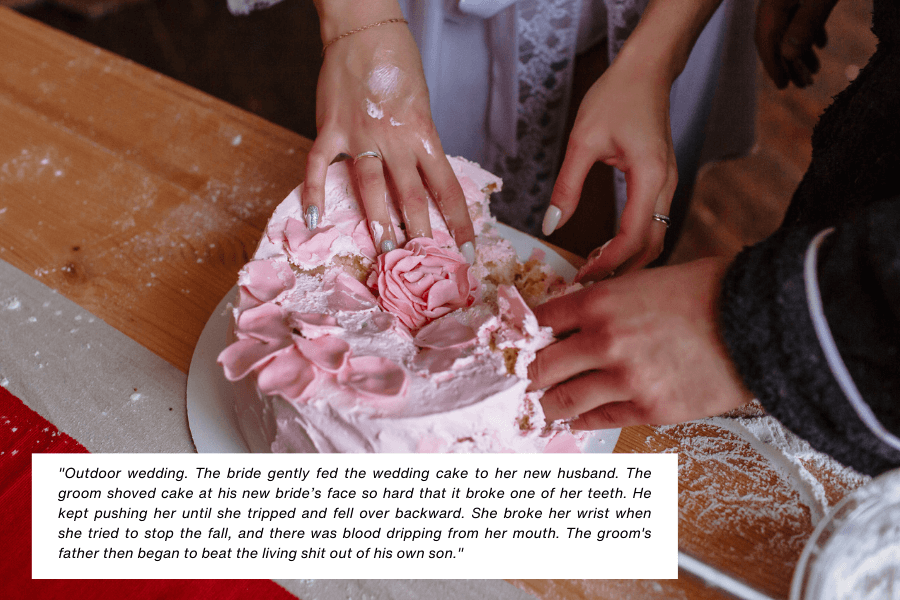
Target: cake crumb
[(510, 355)]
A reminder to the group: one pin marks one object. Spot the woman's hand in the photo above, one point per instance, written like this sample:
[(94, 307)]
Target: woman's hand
[(372, 98), (623, 121), (786, 31), (644, 348)]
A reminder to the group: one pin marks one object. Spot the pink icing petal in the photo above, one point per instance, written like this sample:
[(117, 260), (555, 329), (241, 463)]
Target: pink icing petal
[(313, 325), (296, 234), (342, 301), (246, 299), (470, 188), (329, 352), (347, 294), (442, 293), (422, 286), (363, 240), (562, 443), (411, 321), (241, 357), (348, 284), (447, 333), (442, 239), (316, 319), (264, 322), (430, 444), (537, 254), (345, 220), (437, 360), (275, 231), (423, 281), (438, 312), (268, 279), (513, 309), (289, 374), (381, 322), (375, 376), (317, 248), (434, 263), (404, 263)]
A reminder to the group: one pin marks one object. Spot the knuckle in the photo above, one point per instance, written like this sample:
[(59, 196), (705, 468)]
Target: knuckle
[(414, 199), (593, 304), (602, 415), (673, 174), (463, 232), (565, 402), (565, 190), (369, 179), (652, 253), (577, 143), (536, 370), (657, 167), (316, 154), (312, 190)]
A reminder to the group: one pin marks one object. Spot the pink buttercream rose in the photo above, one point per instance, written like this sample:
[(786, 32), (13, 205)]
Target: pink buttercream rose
[(422, 281)]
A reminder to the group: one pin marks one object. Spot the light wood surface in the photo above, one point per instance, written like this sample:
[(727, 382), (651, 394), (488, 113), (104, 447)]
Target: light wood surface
[(131, 194), (139, 199)]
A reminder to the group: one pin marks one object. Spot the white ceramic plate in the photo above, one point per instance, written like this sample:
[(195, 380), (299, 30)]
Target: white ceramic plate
[(210, 397)]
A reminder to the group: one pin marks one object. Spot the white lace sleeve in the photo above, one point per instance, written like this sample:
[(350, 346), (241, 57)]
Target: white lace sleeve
[(245, 7)]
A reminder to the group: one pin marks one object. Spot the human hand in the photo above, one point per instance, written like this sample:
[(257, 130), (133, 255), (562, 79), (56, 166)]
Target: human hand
[(623, 121), (372, 97), (786, 31), (643, 348)]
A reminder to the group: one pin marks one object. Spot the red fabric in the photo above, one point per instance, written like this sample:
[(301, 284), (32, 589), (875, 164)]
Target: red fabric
[(23, 432)]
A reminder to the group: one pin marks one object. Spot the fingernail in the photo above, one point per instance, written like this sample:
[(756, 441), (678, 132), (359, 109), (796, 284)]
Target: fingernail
[(312, 217), (551, 220), (596, 252), (468, 251), (576, 424), (387, 246)]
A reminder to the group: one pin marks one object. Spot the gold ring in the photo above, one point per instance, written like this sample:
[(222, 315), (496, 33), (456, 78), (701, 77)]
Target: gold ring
[(369, 154)]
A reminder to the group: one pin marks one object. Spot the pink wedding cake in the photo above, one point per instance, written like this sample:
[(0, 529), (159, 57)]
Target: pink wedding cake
[(338, 349)]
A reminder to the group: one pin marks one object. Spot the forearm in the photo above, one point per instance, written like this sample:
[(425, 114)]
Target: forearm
[(340, 16), (665, 36), (772, 337)]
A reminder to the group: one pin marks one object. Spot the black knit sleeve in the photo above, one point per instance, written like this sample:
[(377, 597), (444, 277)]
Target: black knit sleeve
[(769, 333)]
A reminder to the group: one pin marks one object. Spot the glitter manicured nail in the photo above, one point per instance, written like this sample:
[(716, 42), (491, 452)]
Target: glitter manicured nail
[(312, 217), (387, 246)]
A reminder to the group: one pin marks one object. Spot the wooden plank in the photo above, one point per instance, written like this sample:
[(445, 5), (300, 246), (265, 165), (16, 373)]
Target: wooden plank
[(135, 196)]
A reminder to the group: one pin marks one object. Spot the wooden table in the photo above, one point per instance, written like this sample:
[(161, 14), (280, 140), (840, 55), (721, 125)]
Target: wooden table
[(139, 199)]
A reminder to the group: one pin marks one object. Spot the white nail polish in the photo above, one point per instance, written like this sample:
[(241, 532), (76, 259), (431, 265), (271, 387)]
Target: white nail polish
[(468, 251), (551, 220), (312, 217), (387, 246)]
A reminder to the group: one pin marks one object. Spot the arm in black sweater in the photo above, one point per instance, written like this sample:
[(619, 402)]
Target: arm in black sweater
[(766, 323)]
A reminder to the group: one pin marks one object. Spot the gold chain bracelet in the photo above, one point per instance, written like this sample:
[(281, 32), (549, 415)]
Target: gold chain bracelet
[(363, 28)]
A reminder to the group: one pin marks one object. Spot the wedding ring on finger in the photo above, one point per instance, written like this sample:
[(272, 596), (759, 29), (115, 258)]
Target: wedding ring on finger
[(368, 154), (662, 219)]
